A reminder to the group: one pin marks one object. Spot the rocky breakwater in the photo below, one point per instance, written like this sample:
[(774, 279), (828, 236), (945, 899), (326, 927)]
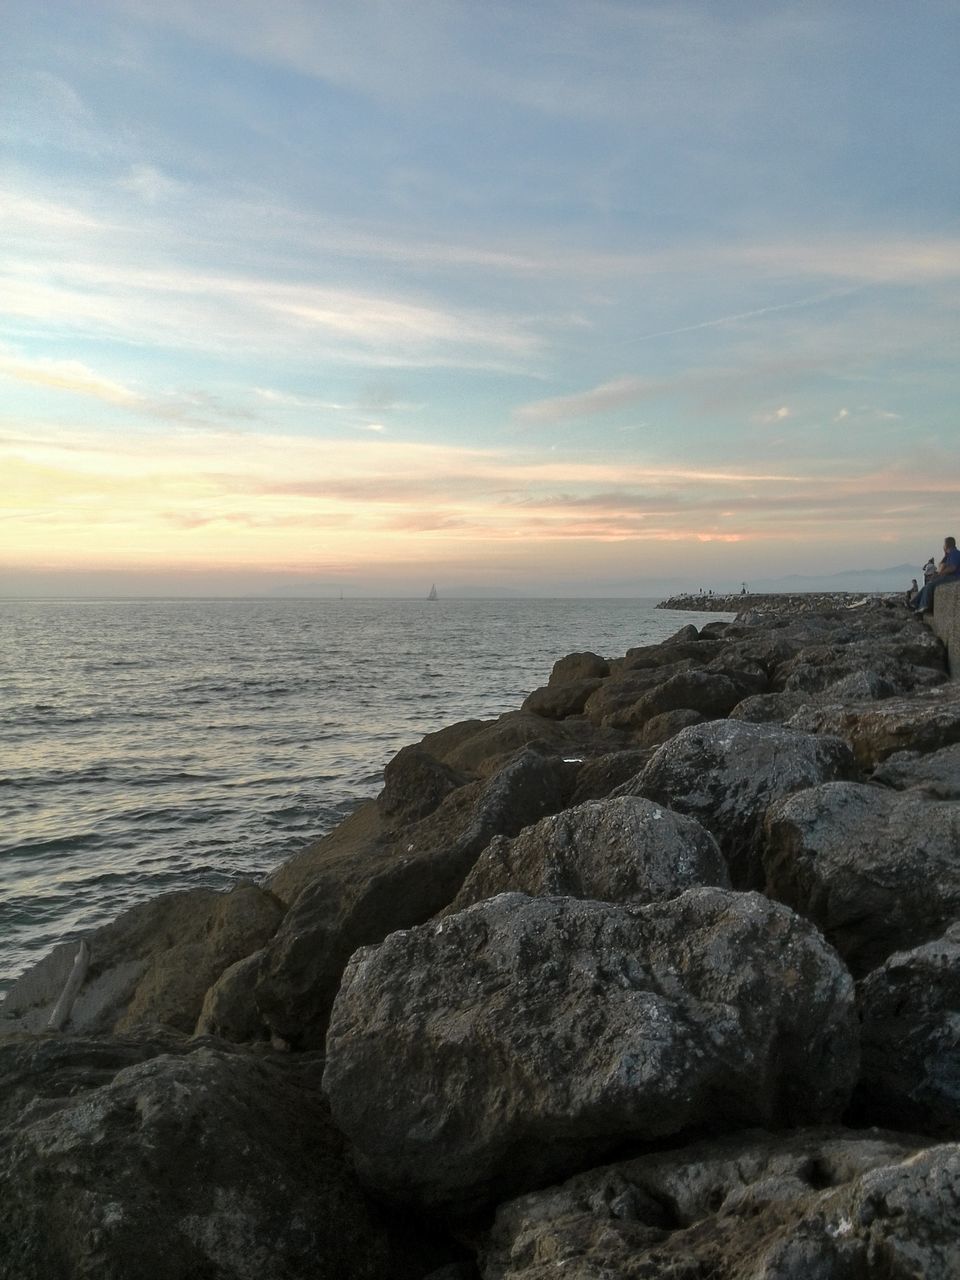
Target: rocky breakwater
[(658, 974)]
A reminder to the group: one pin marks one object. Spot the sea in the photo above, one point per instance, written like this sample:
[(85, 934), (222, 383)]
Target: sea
[(154, 745)]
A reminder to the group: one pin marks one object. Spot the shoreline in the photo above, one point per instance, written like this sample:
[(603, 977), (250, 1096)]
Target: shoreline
[(696, 908)]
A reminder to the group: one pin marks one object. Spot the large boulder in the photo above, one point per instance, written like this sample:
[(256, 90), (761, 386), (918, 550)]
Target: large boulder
[(579, 666), (415, 783), (487, 749), (936, 775), (711, 693), (517, 1040), (153, 964), (771, 708), (621, 850), (726, 773), (559, 701), (164, 1159), (910, 1009), (363, 893), (923, 722), (600, 776), (813, 1205), (613, 700), (876, 870)]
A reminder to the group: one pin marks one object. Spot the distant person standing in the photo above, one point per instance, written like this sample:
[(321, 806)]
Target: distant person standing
[(948, 570)]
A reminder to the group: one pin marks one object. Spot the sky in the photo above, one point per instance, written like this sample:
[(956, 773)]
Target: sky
[(543, 298)]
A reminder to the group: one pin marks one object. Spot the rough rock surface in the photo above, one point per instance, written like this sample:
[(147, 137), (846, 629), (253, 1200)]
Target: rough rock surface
[(229, 1008), (876, 870), (558, 701), (661, 728), (936, 775), (399, 881), (167, 1160), (414, 784), (517, 1040), (711, 693), (910, 1009), (599, 777), (923, 722), (620, 850), (725, 773), (153, 964), (815, 1205), (579, 666)]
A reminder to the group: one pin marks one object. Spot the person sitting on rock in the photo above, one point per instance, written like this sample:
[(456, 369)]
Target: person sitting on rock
[(912, 593), (929, 570), (948, 570)]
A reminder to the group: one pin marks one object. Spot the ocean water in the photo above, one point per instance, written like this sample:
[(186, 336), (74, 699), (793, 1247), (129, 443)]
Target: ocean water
[(151, 745)]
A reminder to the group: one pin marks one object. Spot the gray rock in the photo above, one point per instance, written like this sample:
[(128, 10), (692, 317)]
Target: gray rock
[(164, 1160), (578, 666), (771, 708), (397, 880), (711, 693), (814, 1205), (490, 746), (910, 1010), (597, 778), (558, 701), (414, 784), (726, 773), (229, 1008), (620, 850), (614, 700), (153, 964), (661, 728), (876, 870), (514, 1042), (923, 722), (936, 775)]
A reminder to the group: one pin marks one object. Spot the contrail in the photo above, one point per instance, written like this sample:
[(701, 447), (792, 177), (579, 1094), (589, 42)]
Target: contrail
[(748, 315)]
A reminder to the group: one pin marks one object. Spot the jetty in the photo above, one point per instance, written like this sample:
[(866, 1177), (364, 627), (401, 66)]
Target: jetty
[(656, 973)]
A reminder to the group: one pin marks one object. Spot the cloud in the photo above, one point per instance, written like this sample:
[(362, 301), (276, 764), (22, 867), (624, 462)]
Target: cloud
[(150, 185), (67, 375)]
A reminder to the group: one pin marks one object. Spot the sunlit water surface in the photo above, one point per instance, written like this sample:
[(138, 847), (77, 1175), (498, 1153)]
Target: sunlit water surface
[(158, 744)]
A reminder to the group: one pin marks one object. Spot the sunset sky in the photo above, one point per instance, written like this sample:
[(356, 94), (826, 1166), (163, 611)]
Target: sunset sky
[(542, 296)]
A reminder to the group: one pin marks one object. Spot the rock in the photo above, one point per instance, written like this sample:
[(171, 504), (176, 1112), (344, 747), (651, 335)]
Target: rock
[(517, 1040), (936, 775), (652, 657), (910, 1010), (684, 635), (661, 728), (708, 692), (771, 708), (576, 667), (165, 1160), (414, 784), (616, 697), (877, 871), (492, 745), (599, 777), (726, 773), (814, 1205), (557, 701), (925, 721), (622, 850), (362, 894), (153, 964), (229, 1009)]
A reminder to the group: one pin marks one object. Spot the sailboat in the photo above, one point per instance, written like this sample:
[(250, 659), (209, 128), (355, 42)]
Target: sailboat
[(432, 594)]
